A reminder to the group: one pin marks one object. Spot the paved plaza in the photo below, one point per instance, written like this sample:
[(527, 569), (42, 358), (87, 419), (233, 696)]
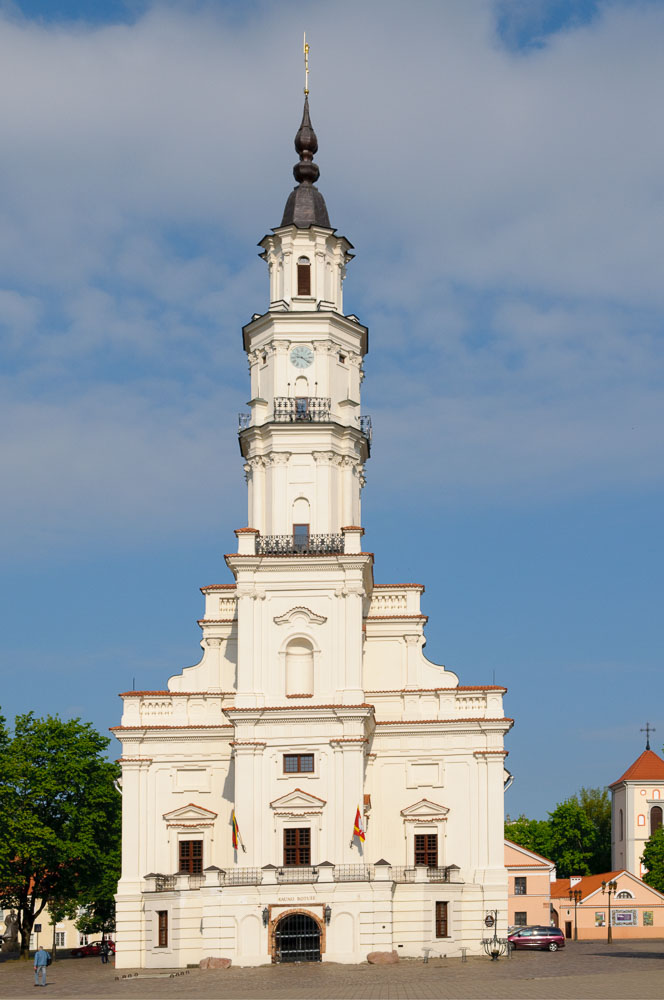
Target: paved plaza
[(583, 970)]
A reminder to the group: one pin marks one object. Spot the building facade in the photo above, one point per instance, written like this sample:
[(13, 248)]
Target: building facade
[(637, 799), (314, 788), (529, 886), (634, 910)]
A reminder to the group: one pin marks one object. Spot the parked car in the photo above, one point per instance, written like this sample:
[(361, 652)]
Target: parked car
[(94, 948), (551, 938)]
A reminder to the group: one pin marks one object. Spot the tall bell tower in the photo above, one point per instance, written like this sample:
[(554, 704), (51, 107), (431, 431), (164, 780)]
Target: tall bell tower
[(304, 439)]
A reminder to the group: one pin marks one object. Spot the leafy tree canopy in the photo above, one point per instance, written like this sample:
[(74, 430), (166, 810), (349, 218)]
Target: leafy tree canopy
[(573, 839), (576, 836), (653, 859), (60, 816)]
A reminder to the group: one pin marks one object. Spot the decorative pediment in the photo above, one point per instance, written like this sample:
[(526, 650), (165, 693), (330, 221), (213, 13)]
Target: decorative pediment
[(298, 802), (425, 810), (300, 614), (190, 815)]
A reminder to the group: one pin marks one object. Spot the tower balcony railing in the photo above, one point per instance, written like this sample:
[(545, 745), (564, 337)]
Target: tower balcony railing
[(302, 545), (302, 409)]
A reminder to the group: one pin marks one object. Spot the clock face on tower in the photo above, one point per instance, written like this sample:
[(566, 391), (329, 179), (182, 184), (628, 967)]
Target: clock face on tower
[(301, 356)]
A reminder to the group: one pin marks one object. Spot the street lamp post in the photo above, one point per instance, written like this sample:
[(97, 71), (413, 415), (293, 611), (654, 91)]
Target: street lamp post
[(609, 888), (576, 895)]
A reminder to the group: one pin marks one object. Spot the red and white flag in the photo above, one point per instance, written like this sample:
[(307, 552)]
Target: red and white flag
[(358, 829)]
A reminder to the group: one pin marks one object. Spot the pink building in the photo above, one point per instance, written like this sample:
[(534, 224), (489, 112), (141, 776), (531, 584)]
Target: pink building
[(528, 886), (637, 911)]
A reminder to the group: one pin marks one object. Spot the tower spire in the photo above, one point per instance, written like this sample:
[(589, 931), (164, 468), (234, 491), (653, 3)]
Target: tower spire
[(306, 206)]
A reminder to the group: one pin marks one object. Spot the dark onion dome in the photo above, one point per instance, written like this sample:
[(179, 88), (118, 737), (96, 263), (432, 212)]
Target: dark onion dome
[(306, 206)]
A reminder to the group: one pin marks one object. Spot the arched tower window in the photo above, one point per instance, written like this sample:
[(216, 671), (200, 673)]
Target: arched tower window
[(299, 668), (655, 819), (301, 524), (621, 823), (304, 276), (656, 794)]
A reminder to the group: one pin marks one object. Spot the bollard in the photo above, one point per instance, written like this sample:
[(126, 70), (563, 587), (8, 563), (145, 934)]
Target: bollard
[(426, 955), (464, 954)]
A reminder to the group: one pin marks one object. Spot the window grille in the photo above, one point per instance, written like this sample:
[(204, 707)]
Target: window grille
[(426, 849), (162, 918), (298, 763), (191, 856), (297, 846), (441, 919)]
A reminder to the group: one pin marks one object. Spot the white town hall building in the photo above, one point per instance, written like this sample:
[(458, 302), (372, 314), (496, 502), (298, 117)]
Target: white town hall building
[(313, 715)]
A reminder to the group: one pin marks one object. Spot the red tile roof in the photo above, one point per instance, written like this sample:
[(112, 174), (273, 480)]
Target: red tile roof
[(648, 767), (590, 883)]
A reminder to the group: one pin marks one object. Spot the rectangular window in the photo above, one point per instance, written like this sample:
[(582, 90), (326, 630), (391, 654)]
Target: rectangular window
[(441, 920), (162, 919), (426, 849), (300, 537), (59, 939), (297, 846), (304, 279), (520, 918), (191, 856), (519, 886), (298, 763)]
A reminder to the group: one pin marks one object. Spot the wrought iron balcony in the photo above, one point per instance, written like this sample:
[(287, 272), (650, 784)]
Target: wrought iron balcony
[(297, 873), (302, 409), (353, 873), (299, 545)]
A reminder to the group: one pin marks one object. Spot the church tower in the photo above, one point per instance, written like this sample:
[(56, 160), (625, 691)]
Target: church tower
[(314, 778), (637, 798)]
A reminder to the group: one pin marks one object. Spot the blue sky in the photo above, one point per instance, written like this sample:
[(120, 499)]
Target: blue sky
[(498, 167)]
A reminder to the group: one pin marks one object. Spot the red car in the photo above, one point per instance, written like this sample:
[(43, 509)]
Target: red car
[(551, 938), (94, 948)]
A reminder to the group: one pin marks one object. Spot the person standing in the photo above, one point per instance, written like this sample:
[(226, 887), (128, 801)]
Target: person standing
[(103, 951), (42, 960)]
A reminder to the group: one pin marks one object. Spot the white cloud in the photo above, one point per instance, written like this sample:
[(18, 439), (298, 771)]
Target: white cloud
[(506, 209)]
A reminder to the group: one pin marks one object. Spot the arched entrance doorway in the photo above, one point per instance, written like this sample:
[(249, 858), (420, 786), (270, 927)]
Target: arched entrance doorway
[(297, 939)]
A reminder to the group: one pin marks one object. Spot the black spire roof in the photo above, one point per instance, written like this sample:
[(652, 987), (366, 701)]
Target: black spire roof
[(306, 206)]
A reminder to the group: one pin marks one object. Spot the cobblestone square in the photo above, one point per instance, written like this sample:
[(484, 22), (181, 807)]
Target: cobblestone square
[(583, 971)]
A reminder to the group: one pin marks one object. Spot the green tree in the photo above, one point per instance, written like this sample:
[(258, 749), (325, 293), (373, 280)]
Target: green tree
[(653, 859), (596, 804), (572, 839), (60, 816), (533, 834)]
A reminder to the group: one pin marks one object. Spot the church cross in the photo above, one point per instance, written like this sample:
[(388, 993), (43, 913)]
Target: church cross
[(648, 729)]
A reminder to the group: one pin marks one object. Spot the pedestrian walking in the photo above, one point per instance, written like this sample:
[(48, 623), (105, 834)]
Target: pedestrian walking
[(42, 960)]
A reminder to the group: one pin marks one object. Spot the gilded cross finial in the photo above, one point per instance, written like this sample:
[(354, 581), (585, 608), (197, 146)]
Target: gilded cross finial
[(648, 729), (306, 65)]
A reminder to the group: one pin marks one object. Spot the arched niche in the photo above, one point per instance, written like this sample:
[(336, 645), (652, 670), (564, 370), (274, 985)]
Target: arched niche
[(299, 667)]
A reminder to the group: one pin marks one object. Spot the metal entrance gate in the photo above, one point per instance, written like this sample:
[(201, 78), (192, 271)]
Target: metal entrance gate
[(297, 939)]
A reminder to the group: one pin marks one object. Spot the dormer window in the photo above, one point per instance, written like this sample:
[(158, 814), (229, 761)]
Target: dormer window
[(304, 276)]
